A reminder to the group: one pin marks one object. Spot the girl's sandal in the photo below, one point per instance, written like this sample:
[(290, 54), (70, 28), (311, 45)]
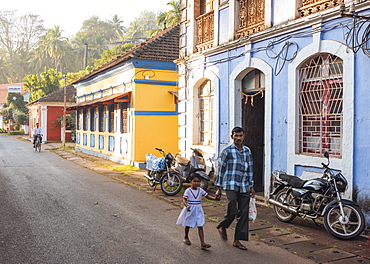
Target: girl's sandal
[(205, 246), (186, 242)]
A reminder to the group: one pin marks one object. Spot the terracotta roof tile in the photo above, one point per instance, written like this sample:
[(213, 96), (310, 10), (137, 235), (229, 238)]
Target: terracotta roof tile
[(58, 96)]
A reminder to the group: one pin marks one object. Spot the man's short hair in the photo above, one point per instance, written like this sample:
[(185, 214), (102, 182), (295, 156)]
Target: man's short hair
[(237, 130)]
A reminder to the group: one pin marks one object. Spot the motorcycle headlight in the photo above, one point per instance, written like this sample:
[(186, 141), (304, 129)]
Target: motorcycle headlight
[(341, 182)]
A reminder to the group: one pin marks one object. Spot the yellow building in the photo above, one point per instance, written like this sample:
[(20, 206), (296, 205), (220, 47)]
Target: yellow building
[(127, 107)]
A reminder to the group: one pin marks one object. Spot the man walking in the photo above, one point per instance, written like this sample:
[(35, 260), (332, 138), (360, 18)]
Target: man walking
[(235, 176)]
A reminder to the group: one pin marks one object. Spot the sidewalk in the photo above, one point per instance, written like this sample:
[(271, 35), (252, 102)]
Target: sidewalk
[(301, 237)]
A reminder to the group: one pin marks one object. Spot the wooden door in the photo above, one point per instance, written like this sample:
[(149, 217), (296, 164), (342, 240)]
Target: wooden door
[(253, 125)]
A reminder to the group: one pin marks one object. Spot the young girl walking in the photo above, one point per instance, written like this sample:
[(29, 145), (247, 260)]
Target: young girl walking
[(192, 214)]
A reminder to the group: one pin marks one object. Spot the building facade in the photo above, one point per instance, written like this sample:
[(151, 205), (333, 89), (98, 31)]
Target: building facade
[(48, 112), (127, 107), (291, 73)]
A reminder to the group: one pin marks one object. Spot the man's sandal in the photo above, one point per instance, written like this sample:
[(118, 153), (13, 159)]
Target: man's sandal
[(186, 242), (240, 246), (222, 234), (205, 246)]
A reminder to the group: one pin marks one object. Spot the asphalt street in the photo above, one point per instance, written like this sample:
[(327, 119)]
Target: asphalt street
[(55, 211)]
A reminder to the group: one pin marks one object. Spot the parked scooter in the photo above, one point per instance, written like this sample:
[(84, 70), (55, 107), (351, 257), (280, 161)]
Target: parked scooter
[(159, 171), (320, 197), (196, 165)]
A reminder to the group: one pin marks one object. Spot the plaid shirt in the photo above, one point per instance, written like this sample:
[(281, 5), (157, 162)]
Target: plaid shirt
[(235, 171)]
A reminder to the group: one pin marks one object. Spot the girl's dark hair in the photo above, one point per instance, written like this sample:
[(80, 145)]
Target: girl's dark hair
[(193, 176)]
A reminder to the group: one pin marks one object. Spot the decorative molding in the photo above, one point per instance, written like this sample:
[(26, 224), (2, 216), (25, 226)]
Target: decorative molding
[(313, 6)]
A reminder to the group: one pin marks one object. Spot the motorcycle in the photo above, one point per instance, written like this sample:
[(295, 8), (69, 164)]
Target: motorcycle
[(320, 197), (159, 171), (195, 165)]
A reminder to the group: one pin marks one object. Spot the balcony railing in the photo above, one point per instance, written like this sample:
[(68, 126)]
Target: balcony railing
[(313, 6), (205, 33), (251, 17)]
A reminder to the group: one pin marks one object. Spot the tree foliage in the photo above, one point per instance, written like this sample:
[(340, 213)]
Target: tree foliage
[(42, 84), (14, 109), (108, 55), (27, 49)]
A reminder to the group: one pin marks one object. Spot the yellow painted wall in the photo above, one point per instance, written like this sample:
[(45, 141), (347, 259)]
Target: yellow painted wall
[(147, 131), (155, 132)]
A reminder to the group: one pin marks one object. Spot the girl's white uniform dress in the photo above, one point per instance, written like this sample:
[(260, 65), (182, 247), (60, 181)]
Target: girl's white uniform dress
[(194, 217)]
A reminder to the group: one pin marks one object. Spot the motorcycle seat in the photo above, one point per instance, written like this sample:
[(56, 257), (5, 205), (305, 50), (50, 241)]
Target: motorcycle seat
[(182, 161), (293, 181)]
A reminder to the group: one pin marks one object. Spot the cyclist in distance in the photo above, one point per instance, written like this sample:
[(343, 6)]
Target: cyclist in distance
[(37, 132)]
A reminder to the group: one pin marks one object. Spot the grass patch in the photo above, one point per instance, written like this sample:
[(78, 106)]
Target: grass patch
[(124, 168)]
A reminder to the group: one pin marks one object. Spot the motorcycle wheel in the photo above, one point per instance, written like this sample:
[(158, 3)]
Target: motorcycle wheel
[(281, 214), (203, 184), (171, 185), (353, 226)]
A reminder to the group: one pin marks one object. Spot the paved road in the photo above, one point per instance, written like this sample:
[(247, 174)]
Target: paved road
[(54, 211)]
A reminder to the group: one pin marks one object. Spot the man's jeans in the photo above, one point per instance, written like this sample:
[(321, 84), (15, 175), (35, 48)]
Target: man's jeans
[(35, 137)]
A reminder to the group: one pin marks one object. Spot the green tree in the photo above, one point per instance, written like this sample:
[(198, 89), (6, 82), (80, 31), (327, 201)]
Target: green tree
[(108, 55), (171, 17), (97, 45), (55, 45), (78, 45), (93, 27), (118, 28), (42, 84), (18, 37), (15, 109), (140, 28)]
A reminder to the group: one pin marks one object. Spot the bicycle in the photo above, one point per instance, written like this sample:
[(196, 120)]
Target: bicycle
[(38, 144)]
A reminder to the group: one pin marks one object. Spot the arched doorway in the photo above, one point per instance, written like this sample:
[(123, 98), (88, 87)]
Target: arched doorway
[(253, 120)]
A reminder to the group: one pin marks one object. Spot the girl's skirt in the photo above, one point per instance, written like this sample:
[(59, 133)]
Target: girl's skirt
[(192, 218)]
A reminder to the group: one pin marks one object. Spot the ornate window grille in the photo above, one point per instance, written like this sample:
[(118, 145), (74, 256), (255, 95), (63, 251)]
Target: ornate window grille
[(205, 32), (321, 105), (205, 24), (313, 6), (251, 17), (124, 117), (111, 118), (205, 114)]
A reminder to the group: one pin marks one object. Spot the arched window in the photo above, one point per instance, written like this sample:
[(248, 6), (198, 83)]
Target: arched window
[(205, 114), (321, 105)]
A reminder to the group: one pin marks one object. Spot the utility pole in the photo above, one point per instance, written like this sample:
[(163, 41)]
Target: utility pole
[(64, 113), (85, 55)]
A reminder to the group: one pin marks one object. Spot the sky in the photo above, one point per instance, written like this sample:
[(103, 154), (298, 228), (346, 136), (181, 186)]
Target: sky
[(70, 14)]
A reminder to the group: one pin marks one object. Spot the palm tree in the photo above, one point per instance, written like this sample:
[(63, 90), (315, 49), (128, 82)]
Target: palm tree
[(135, 31), (117, 24), (98, 45), (55, 44), (172, 16), (78, 44), (169, 18)]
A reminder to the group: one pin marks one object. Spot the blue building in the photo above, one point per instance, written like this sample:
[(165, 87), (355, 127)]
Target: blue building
[(292, 73)]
